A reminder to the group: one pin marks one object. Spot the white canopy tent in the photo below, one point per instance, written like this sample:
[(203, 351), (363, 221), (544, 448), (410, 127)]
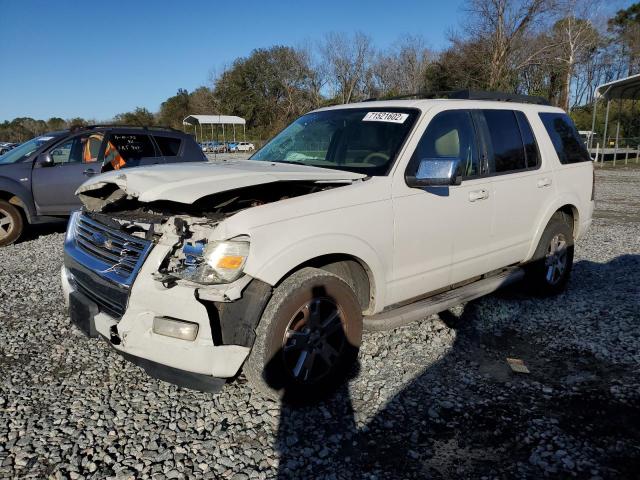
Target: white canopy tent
[(200, 120)]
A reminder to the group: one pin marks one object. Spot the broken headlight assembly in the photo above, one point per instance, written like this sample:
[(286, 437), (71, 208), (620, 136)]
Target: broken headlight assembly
[(212, 262)]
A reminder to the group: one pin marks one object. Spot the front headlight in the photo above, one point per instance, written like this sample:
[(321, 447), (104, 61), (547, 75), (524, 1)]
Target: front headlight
[(213, 262)]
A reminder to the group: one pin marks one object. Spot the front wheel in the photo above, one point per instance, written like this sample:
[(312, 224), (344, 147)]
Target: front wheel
[(11, 223), (550, 270), (308, 338)]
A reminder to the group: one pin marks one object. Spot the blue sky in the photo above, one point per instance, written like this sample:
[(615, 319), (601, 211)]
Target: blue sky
[(97, 59)]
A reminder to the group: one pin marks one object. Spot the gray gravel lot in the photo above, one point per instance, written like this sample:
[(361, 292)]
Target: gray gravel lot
[(434, 399)]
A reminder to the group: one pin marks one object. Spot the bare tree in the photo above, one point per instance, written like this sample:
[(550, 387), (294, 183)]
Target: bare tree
[(347, 60), (318, 72), (504, 23), (401, 69), (576, 39)]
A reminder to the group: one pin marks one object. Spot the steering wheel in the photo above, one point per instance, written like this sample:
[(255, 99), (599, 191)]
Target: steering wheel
[(383, 156)]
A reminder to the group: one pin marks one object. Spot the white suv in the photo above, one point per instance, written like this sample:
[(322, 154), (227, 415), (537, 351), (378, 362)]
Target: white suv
[(359, 216)]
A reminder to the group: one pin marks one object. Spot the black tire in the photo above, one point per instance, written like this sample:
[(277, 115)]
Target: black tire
[(311, 311), (552, 263), (11, 223)]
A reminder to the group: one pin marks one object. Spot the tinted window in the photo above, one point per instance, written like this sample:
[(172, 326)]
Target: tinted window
[(506, 142), (530, 146), (132, 146), (449, 135), (566, 140), (169, 146), (80, 149)]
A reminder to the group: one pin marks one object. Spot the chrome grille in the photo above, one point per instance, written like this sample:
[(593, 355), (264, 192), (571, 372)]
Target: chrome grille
[(119, 256)]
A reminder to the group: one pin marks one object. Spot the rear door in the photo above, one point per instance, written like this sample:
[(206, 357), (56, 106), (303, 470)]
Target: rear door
[(522, 189), (75, 159), (126, 150)]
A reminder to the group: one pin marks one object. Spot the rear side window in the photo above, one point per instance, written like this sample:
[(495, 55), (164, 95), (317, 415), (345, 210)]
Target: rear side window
[(565, 138), (506, 141), (169, 146), (132, 146), (529, 140), (450, 134)]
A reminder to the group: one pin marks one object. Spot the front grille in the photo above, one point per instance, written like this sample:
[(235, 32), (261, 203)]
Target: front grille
[(106, 303), (120, 254), (104, 262)]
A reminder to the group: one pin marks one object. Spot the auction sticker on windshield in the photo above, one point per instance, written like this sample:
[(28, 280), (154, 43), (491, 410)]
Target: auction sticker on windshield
[(392, 117)]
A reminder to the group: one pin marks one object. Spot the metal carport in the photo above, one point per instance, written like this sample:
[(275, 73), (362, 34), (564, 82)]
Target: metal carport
[(623, 89), (212, 120)]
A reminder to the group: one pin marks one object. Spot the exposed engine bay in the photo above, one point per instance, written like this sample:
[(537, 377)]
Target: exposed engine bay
[(187, 227)]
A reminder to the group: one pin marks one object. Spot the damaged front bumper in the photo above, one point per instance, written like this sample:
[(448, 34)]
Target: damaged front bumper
[(225, 315)]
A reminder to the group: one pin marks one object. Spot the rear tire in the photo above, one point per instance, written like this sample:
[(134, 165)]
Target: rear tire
[(308, 338), (11, 223), (550, 270)]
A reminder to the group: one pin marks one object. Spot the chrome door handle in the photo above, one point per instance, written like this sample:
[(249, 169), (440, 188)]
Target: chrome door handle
[(544, 182), (89, 172), (478, 195)]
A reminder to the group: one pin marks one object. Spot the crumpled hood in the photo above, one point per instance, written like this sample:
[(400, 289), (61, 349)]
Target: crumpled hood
[(188, 182)]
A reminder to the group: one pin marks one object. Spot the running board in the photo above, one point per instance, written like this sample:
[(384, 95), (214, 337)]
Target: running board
[(401, 316)]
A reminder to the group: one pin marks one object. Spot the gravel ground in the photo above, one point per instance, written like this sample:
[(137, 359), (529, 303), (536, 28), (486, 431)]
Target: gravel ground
[(434, 399)]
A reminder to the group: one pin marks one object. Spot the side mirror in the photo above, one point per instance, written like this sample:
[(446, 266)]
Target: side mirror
[(436, 172), (46, 160)]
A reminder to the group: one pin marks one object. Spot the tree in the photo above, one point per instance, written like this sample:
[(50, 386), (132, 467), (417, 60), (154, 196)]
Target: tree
[(56, 123), (202, 101), (347, 60), (574, 40), (625, 26), (140, 117), (504, 24), (269, 88), (463, 65), (402, 69), (77, 122), (174, 109)]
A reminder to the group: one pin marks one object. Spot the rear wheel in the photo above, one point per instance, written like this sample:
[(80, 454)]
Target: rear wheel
[(549, 273), (11, 223), (308, 338)]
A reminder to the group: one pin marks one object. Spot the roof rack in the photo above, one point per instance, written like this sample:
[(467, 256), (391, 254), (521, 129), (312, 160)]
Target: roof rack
[(143, 127), (471, 95)]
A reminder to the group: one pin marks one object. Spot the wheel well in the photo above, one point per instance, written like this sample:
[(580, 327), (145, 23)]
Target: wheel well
[(572, 212), (350, 269), (16, 202)]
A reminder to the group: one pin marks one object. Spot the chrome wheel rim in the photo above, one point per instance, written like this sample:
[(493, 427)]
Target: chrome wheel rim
[(6, 224), (314, 340), (556, 259)]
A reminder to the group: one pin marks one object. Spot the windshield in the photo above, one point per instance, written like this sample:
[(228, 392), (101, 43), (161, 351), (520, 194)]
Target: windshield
[(23, 151), (357, 140)]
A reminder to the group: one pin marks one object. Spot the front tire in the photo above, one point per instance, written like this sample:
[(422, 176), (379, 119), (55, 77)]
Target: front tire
[(549, 272), (308, 338), (11, 223)]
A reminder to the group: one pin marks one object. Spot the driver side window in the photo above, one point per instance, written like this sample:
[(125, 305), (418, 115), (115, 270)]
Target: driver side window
[(80, 149), (450, 135)]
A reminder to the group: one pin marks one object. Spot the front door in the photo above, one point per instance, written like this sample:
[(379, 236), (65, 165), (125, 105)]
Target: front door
[(441, 234), (74, 161)]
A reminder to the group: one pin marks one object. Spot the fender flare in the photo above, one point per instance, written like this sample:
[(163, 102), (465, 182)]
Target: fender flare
[(562, 201), (21, 197), (292, 256)]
